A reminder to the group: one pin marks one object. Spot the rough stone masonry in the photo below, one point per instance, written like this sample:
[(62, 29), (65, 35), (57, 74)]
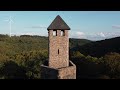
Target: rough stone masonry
[(58, 65)]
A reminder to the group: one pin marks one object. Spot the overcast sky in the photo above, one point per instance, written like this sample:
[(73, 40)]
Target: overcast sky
[(92, 25)]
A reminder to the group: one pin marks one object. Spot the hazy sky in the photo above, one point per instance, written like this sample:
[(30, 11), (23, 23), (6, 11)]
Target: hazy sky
[(93, 25)]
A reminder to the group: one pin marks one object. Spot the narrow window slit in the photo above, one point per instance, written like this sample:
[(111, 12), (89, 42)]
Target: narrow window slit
[(58, 51)]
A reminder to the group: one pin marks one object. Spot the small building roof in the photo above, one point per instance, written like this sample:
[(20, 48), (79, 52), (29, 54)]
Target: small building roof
[(58, 24)]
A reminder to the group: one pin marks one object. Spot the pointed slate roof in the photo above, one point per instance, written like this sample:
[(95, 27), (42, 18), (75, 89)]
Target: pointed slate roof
[(58, 23)]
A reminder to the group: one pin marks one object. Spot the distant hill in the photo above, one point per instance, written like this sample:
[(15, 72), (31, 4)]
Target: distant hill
[(100, 48), (23, 43), (18, 44), (78, 42)]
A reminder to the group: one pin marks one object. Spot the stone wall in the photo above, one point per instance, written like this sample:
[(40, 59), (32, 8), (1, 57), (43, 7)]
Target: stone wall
[(61, 73), (67, 72), (58, 49)]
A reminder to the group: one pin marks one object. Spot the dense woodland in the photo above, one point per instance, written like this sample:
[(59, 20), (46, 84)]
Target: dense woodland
[(21, 57)]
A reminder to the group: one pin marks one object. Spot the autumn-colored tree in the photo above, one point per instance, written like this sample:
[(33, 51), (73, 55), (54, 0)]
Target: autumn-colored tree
[(112, 62)]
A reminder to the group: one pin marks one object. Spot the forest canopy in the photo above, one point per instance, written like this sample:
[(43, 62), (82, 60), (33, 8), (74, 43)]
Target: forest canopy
[(21, 57)]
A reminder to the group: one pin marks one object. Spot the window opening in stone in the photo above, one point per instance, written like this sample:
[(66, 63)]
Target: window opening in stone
[(58, 51), (62, 33), (54, 33)]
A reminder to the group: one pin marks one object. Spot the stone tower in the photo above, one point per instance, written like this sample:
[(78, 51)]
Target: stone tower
[(58, 66), (58, 43)]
